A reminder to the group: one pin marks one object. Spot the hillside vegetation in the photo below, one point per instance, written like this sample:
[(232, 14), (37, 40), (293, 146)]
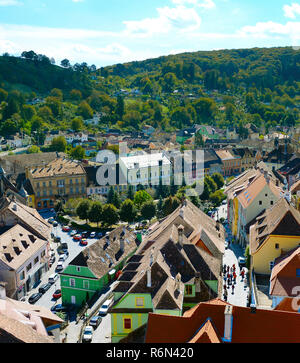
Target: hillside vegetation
[(221, 88)]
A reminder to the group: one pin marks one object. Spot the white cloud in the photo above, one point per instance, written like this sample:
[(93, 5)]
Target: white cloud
[(169, 19), (290, 11), (207, 4), (10, 3)]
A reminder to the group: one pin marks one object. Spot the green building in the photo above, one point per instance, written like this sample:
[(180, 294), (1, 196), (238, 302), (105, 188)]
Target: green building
[(96, 266), (170, 272)]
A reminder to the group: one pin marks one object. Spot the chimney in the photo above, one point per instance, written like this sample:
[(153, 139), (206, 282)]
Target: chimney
[(181, 213), (180, 235), (198, 281), (149, 277), (253, 309), (228, 318), (122, 244), (2, 291), (177, 282)]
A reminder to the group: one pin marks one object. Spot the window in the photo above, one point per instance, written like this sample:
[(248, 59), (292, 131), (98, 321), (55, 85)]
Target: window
[(43, 253), (36, 260), (78, 269), (189, 290), (271, 265), (260, 202), (127, 323), (72, 282), (86, 284), (139, 301), (277, 246), (28, 268), (22, 275), (272, 202)]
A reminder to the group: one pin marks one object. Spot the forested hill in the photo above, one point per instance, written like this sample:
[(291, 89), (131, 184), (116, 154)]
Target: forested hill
[(258, 67), (38, 73), (225, 88)]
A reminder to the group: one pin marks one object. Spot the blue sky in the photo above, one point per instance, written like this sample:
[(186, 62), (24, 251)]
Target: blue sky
[(105, 32)]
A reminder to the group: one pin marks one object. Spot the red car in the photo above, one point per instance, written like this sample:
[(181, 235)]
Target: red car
[(57, 294), (66, 228), (77, 237), (84, 242)]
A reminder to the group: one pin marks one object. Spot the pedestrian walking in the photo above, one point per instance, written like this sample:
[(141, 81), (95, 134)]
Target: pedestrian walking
[(232, 289), (243, 274), (225, 295)]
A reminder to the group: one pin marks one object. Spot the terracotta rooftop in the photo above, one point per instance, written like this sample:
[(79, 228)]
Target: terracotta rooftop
[(17, 245), (283, 278), (58, 167), (259, 326), (103, 255), (29, 217)]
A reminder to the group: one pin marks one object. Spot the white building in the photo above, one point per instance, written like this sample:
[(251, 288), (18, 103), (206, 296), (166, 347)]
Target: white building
[(146, 169)]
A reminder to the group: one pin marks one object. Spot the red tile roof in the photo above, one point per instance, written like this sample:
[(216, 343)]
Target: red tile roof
[(263, 326)]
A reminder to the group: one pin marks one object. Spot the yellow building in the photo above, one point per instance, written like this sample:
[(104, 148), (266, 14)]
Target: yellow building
[(275, 232), (60, 179)]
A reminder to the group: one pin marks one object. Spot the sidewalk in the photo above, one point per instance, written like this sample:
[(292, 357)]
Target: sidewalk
[(231, 256)]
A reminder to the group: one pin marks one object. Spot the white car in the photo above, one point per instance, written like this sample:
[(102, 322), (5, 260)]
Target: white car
[(53, 278), (62, 258), (104, 308), (93, 234), (72, 233), (60, 267), (88, 334)]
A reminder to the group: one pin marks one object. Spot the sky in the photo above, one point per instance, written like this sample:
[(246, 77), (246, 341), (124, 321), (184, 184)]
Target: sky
[(106, 32)]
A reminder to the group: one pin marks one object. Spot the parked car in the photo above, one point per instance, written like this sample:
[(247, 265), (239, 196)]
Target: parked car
[(60, 267), (53, 278), (242, 262), (55, 224), (100, 234), (93, 235), (85, 234), (104, 308), (62, 258), (95, 321), (226, 245), (44, 288), (58, 307), (88, 334), (51, 220), (34, 297), (72, 233), (57, 294), (77, 237), (52, 260), (66, 229), (84, 242)]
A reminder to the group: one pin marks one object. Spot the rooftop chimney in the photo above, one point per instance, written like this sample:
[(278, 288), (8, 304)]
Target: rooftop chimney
[(149, 277), (177, 281), (253, 309), (228, 318), (122, 244), (180, 234), (198, 281), (2, 291)]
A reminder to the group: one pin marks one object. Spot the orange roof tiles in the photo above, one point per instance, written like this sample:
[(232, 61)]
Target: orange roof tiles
[(263, 326)]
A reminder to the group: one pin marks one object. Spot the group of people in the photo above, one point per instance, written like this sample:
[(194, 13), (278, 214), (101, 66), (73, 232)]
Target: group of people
[(230, 277)]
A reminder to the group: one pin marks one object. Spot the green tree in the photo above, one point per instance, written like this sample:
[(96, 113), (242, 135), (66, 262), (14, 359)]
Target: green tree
[(83, 208), (77, 124), (110, 215), (78, 153), (130, 192), (59, 144), (148, 210), (33, 150), (170, 204), (128, 211), (85, 110), (95, 213), (120, 108), (140, 198), (218, 179)]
